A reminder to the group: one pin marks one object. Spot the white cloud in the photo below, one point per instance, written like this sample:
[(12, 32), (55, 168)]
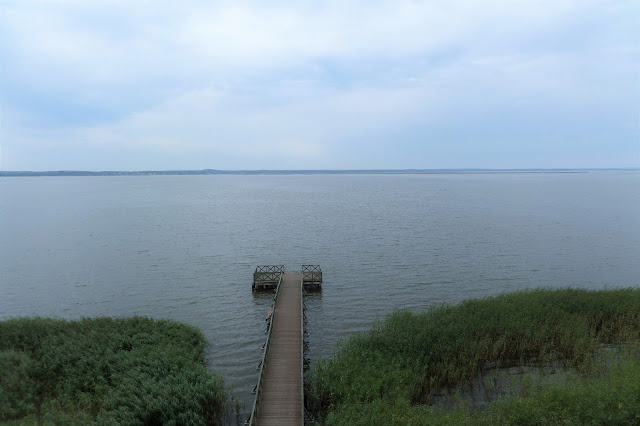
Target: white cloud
[(98, 42), (299, 79), (225, 123)]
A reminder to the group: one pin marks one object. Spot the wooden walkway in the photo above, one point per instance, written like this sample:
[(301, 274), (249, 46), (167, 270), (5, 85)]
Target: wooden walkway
[(280, 401)]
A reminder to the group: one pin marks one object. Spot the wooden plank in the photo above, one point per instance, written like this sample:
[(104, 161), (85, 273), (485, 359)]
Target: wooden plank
[(280, 397)]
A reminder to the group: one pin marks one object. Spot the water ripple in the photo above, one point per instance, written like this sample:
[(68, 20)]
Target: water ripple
[(185, 247)]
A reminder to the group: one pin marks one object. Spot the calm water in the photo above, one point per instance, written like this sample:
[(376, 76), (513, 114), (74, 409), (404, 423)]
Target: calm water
[(184, 247)]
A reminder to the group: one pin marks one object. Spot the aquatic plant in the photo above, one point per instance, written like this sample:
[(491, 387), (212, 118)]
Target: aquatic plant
[(104, 370), (393, 371)]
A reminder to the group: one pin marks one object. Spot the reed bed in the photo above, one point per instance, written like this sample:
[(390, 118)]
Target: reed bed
[(392, 372), (106, 371)]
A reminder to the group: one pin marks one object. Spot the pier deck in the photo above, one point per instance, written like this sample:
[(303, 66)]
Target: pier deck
[(280, 400)]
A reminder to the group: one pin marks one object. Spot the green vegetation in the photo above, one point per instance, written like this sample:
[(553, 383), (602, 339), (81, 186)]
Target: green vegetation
[(392, 374), (106, 371)]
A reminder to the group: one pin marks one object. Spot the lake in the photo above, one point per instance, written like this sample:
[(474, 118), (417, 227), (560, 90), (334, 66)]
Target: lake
[(185, 247)]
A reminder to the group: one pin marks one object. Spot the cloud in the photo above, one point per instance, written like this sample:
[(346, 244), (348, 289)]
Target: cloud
[(117, 42), (295, 80)]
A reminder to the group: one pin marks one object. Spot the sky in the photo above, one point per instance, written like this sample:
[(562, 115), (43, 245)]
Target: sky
[(362, 84)]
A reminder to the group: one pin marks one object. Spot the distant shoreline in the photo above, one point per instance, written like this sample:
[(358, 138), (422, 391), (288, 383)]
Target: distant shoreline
[(294, 172)]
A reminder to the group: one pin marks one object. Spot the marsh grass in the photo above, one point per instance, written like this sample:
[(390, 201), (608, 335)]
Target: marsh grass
[(107, 371), (394, 371)]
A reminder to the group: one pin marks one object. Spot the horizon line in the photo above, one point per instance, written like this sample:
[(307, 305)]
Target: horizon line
[(78, 172)]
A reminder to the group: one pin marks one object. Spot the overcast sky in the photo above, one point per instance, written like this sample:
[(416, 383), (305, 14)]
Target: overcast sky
[(133, 85)]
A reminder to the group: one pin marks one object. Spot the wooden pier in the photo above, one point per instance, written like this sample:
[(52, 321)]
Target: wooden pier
[(279, 393)]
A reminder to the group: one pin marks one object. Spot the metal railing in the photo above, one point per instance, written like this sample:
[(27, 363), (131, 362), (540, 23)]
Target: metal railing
[(270, 268), (268, 273), (263, 363), (311, 273)]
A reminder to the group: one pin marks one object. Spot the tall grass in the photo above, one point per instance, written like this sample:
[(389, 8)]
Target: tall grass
[(403, 361), (116, 371)]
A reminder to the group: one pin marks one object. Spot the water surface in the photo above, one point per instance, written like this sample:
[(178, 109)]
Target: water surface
[(184, 247)]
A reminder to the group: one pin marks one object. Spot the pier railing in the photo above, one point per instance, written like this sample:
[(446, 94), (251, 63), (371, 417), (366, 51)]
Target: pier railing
[(268, 273), (311, 273), (311, 277), (263, 363), (266, 277)]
